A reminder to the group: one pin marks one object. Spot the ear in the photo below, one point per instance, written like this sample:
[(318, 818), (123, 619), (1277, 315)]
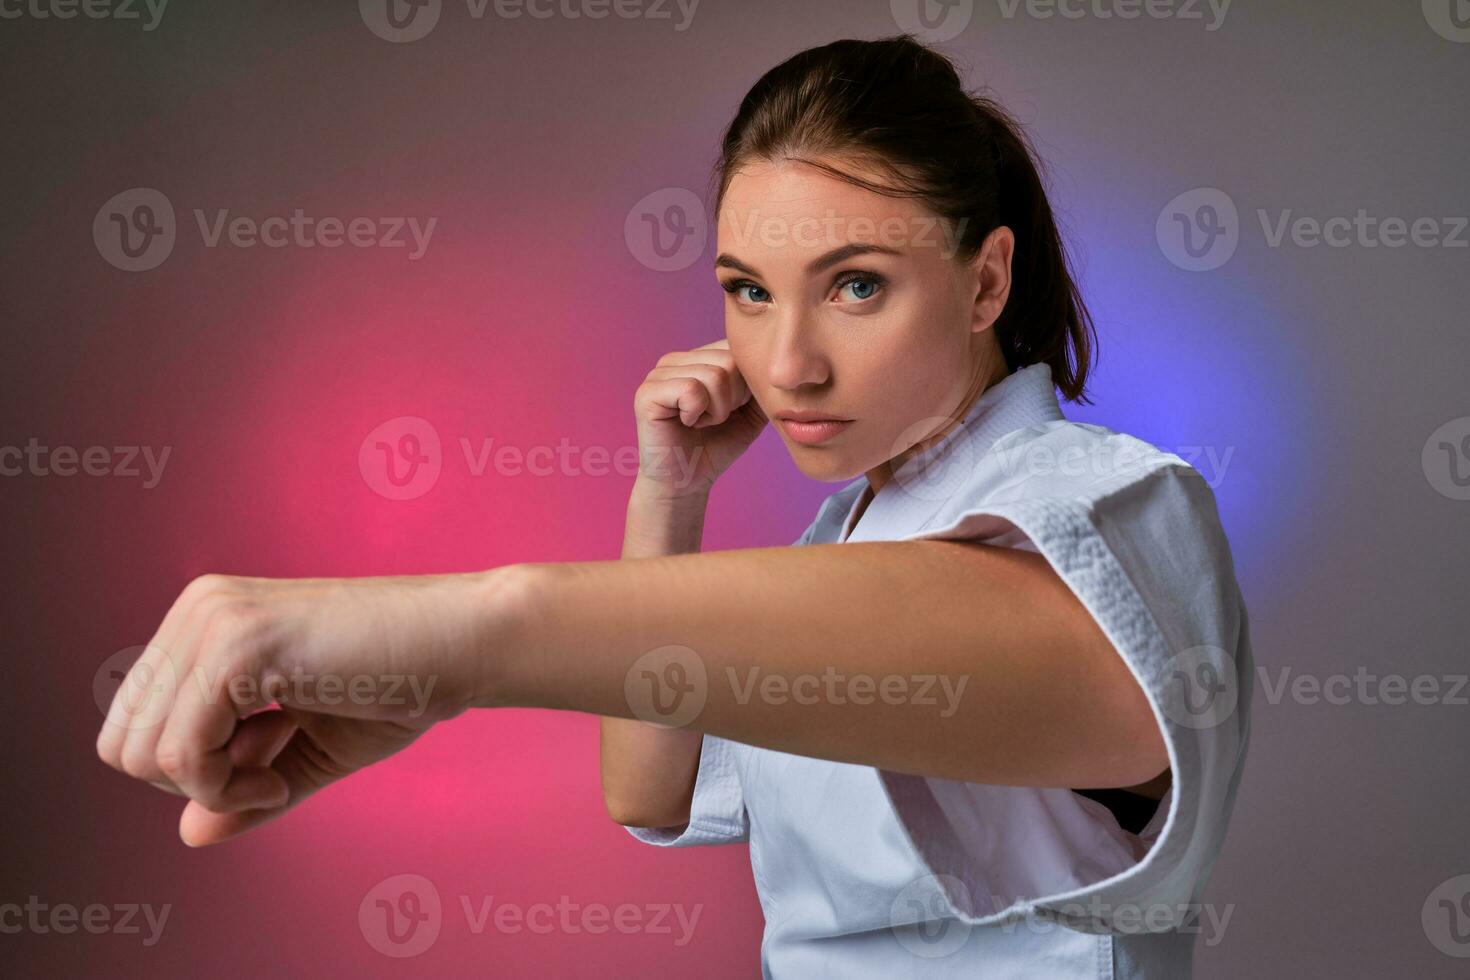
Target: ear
[(992, 271)]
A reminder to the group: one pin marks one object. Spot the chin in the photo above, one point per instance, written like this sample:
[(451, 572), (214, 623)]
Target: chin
[(823, 466)]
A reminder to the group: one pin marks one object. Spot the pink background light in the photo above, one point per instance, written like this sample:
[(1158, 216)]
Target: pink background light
[(529, 321)]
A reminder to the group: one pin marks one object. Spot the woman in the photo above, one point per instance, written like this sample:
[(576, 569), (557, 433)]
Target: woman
[(986, 720)]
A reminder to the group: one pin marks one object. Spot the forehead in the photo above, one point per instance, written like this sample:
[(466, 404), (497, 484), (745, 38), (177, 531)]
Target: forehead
[(790, 204)]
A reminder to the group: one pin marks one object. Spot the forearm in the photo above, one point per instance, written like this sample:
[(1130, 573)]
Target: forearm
[(647, 772), (657, 525), (931, 657)]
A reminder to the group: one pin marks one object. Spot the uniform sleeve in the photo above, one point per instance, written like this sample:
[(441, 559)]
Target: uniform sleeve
[(717, 810), (1144, 551)]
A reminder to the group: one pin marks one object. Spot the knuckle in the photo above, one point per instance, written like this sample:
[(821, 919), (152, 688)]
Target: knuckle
[(231, 622), (210, 583), (648, 392), (137, 764), (172, 759)]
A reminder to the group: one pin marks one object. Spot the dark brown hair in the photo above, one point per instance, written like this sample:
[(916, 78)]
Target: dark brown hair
[(898, 106)]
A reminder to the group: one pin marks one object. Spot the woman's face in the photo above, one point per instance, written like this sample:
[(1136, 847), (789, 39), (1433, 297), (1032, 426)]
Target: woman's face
[(847, 303)]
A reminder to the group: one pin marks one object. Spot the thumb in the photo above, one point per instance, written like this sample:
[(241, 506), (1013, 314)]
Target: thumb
[(259, 738), (273, 738)]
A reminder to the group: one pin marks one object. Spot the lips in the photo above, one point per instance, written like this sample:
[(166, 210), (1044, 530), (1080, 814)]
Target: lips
[(810, 433), (805, 416)]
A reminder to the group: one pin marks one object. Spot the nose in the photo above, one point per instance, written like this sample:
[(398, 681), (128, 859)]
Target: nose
[(796, 354)]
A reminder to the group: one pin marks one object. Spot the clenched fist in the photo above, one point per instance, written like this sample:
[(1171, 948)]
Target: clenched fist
[(695, 416), (255, 693)]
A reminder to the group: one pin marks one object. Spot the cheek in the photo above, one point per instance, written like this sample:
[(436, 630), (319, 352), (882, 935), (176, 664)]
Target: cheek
[(911, 367), (914, 349), (749, 362)]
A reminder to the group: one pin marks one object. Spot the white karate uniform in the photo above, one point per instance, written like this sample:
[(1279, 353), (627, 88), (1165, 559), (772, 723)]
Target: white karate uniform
[(864, 872)]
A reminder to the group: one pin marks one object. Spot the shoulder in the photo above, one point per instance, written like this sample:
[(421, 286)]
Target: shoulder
[(1076, 460), (1078, 487)]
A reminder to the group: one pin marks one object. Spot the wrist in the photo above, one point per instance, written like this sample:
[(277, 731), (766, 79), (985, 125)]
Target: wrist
[(658, 523), (654, 492), (504, 601)]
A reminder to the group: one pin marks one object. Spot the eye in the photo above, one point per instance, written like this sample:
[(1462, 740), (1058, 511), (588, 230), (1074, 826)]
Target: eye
[(734, 287), (866, 284)]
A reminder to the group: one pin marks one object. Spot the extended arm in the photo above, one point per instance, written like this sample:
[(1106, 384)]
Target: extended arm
[(994, 671), (931, 657)]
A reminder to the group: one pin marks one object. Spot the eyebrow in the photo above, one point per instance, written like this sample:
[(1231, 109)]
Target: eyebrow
[(840, 254)]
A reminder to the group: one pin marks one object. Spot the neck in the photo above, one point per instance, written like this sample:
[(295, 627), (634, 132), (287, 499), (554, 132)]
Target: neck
[(990, 372)]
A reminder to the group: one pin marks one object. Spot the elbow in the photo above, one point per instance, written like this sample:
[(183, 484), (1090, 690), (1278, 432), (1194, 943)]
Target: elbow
[(631, 813), (1152, 756), (1147, 754), (634, 803)]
